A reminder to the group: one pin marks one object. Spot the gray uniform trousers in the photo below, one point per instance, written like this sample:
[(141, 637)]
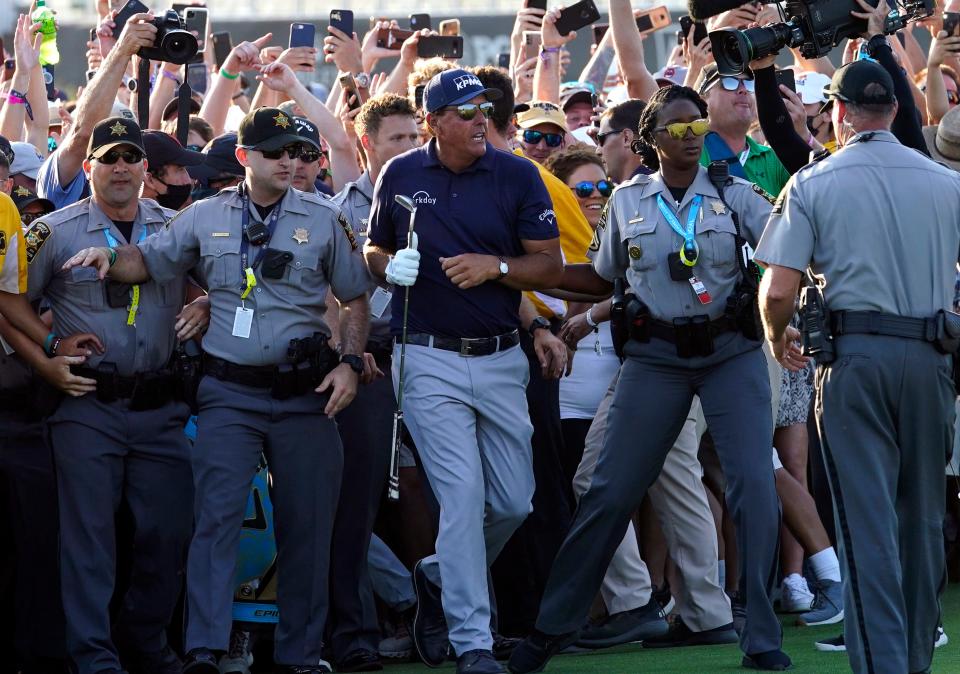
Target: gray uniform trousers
[(391, 580), (235, 424), (885, 412), (649, 409), (105, 454), (468, 417), (366, 427), (679, 499)]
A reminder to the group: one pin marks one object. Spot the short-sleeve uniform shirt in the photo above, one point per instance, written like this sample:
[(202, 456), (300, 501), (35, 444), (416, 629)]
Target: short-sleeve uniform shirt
[(80, 300), (206, 237), (490, 208)]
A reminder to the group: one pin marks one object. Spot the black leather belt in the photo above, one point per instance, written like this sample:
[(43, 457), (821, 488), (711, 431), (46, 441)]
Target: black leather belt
[(668, 331), (122, 386), (145, 390), (255, 376), (466, 346), (877, 323)]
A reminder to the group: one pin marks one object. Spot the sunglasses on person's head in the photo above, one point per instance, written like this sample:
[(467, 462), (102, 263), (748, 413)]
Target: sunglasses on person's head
[(678, 130), (468, 111), (128, 156), (533, 137), (733, 83), (584, 188)]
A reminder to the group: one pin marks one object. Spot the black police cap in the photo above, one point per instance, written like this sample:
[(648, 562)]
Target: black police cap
[(267, 129), (111, 132), (221, 159), (851, 81)]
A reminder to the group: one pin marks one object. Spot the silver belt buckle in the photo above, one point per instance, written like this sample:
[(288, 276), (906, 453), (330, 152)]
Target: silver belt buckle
[(465, 347)]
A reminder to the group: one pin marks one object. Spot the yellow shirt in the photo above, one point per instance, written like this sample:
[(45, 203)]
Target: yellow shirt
[(575, 234), (13, 252)]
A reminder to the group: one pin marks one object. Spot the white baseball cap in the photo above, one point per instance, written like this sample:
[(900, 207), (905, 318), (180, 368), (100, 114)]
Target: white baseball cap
[(810, 86), (26, 160)]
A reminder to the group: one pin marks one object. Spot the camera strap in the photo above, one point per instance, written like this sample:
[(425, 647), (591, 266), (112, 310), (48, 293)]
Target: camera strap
[(739, 241), (246, 271), (143, 92), (134, 305)]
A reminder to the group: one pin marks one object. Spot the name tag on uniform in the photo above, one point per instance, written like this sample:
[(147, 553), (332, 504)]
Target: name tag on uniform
[(379, 301), (220, 234), (242, 322)]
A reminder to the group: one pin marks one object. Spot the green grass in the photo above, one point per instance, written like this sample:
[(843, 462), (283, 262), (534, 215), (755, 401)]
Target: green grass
[(797, 642)]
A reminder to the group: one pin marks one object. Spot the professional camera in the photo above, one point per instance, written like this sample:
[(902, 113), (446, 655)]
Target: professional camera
[(174, 43), (813, 26)]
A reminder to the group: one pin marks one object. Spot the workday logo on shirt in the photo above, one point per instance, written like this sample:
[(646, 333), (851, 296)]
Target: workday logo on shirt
[(422, 197)]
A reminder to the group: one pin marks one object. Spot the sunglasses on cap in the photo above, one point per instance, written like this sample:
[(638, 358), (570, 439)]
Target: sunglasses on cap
[(678, 130), (733, 83), (584, 188), (533, 137), (129, 156), (468, 111)]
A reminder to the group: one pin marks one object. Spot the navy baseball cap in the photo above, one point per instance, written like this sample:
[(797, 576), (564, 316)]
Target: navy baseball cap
[(307, 130), (220, 160), (453, 87)]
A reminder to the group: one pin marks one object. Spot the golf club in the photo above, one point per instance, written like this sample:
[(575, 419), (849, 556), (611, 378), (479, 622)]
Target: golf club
[(393, 487)]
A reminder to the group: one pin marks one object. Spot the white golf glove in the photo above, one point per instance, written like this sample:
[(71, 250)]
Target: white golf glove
[(404, 266)]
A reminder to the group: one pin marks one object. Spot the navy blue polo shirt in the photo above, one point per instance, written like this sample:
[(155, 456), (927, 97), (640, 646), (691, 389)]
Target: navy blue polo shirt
[(488, 209)]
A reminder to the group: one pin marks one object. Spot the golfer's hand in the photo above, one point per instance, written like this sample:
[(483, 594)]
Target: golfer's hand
[(470, 269), (404, 266)]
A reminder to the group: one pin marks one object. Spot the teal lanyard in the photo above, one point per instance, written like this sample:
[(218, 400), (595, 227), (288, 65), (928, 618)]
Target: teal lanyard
[(112, 240), (690, 250)]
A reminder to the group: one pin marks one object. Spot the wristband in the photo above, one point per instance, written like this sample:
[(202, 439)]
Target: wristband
[(810, 140), (47, 343), (544, 51), (224, 73), (589, 316), (16, 97), (113, 255), (170, 76)]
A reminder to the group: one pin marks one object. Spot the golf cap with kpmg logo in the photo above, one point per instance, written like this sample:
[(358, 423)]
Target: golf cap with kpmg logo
[(455, 87), (110, 133), (267, 129), (851, 81)]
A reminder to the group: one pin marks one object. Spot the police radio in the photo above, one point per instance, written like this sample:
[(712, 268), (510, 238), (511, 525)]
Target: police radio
[(257, 233), (815, 334)]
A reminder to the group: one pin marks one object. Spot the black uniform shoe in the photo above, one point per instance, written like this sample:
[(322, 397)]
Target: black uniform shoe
[(201, 661), (322, 668), (637, 624), (430, 636), (681, 635), (535, 651), (503, 647), (479, 662), (164, 661), (360, 660), (770, 661)]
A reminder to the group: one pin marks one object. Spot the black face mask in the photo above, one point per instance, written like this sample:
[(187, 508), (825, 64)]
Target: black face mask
[(176, 196)]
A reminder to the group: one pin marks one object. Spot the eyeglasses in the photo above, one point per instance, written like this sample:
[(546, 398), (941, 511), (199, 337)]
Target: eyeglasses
[(678, 130), (310, 156), (27, 218), (584, 188), (468, 111), (129, 156), (533, 137), (602, 137), (733, 83)]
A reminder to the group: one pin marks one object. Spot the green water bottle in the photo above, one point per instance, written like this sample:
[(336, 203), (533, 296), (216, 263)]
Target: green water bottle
[(49, 54)]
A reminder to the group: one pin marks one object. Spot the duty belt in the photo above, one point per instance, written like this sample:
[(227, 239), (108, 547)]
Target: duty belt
[(145, 390), (284, 381), (669, 331), (877, 323), (467, 346)]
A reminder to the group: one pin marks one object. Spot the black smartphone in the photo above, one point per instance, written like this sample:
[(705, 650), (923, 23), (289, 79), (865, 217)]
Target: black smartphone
[(197, 77), (420, 21), (128, 10), (48, 81), (537, 4), (342, 19), (787, 79), (503, 60), (599, 30), (447, 46), (302, 35), (195, 20), (699, 31), (349, 86), (577, 16), (951, 20), (222, 46)]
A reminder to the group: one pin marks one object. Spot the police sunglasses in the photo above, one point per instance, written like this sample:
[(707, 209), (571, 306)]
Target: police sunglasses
[(308, 156), (584, 188), (129, 156), (468, 111), (678, 130), (292, 151), (533, 137)]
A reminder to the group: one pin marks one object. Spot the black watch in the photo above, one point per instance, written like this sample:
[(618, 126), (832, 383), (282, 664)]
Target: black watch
[(538, 323), (355, 362)]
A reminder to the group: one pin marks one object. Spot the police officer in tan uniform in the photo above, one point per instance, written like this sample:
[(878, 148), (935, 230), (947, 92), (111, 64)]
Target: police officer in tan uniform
[(268, 254), (884, 254), (676, 239)]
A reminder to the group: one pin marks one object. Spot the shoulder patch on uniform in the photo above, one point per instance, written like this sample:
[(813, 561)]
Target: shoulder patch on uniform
[(762, 192), (348, 230), (601, 226), (34, 238)]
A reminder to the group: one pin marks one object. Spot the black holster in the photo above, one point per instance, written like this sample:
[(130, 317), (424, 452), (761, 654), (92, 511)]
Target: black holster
[(815, 330), (311, 359), (948, 332), (743, 308), (188, 367), (619, 330)]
